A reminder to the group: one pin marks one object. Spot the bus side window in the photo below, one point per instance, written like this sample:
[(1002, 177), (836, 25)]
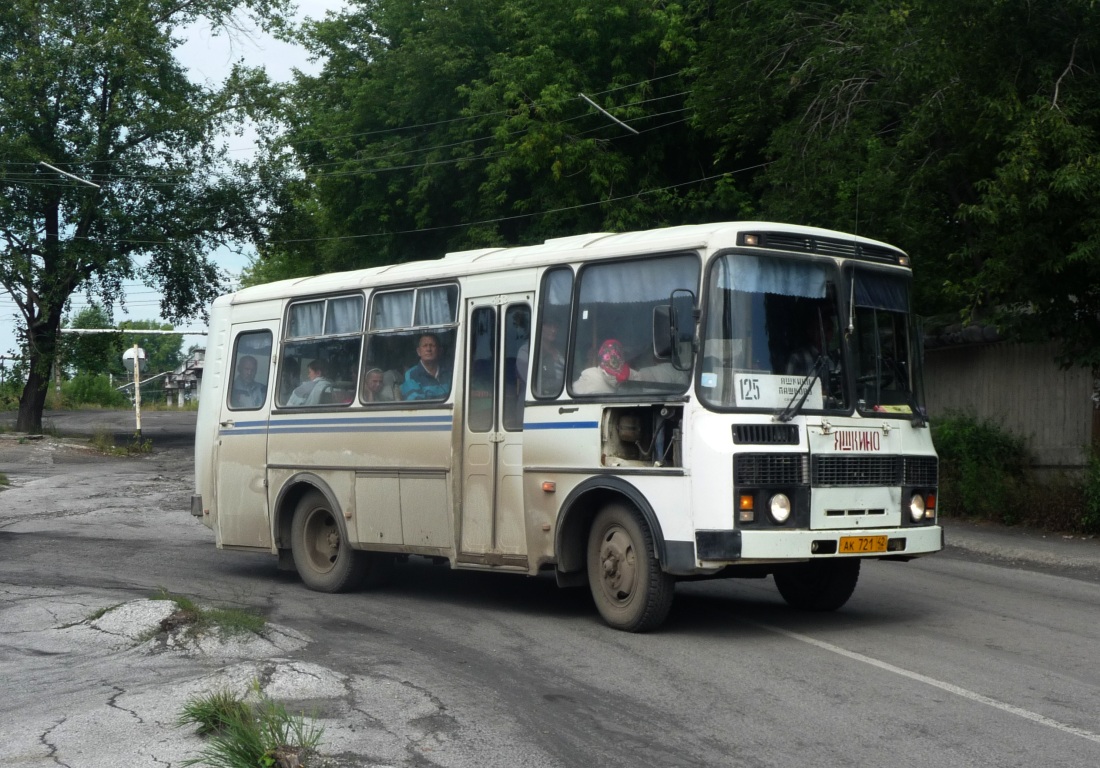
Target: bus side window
[(411, 340), (320, 359), (613, 345), (555, 307), (249, 374)]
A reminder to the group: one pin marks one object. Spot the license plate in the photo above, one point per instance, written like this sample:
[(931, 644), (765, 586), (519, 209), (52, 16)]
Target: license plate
[(858, 545)]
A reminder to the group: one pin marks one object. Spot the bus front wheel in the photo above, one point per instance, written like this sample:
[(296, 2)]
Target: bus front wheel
[(324, 560), (629, 588), (820, 585)]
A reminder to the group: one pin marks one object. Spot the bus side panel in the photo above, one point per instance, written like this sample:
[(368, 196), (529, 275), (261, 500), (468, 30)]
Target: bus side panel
[(390, 470), (211, 393), (555, 437), (564, 449)]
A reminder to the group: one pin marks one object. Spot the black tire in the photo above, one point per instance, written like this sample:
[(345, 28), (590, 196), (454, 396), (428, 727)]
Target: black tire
[(631, 591), (820, 585), (324, 560)]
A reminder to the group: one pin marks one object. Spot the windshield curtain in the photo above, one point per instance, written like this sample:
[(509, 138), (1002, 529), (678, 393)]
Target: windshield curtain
[(770, 322)]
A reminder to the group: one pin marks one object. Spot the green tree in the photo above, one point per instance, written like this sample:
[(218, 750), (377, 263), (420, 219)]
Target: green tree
[(90, 353), (964, 130), (437, 126), (91, 87), (162, 351), (101, 353)]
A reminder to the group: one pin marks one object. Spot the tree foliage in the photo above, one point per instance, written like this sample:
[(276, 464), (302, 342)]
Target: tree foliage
[(965, 131), (437, 126), (101, 353), (90, 353), (91, 87)]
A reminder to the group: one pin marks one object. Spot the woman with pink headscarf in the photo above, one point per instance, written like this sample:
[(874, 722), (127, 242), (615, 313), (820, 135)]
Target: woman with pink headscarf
[(610, 371)]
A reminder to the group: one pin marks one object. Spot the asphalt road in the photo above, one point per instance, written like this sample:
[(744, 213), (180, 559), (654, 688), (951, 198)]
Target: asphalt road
[(983, 655)]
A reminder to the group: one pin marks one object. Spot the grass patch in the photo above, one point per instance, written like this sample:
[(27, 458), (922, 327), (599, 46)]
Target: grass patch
[(4, 480), (104, 442), (242, 734), (196, 620), (102, 612), (214, 712)]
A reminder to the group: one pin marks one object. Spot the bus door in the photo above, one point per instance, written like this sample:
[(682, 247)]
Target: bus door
[(241, 460), (492, 530)]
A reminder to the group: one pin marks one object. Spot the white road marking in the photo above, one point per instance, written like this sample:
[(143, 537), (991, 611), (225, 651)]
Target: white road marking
[(963, 692)]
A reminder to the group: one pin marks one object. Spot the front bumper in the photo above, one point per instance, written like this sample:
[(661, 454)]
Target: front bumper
[(716, 548)]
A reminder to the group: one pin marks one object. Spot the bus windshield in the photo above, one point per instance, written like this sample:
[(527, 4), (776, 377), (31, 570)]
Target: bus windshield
[(776, 337), (887, 376), (770, 324)]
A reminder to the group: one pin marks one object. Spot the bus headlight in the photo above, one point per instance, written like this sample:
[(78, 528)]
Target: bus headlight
[(780, 508), (916, 507)]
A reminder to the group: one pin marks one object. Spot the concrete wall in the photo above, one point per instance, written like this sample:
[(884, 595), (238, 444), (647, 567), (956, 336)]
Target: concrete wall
[(1021, 387)]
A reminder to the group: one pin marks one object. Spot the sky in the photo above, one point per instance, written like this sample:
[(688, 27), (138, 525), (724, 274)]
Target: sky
[(208, 59)]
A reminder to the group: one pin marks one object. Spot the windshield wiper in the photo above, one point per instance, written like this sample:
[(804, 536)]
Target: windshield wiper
[(803, 391)]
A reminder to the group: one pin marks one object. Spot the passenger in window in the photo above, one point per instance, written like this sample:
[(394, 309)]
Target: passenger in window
[(429, 379), (551, 363), (375, 389), (610, 371), (247, 392), (310, 391)]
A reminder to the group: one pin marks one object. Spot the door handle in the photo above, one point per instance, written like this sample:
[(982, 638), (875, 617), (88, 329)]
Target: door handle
[(227, 423)]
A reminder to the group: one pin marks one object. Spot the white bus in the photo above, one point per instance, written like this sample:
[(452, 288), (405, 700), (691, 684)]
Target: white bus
[(722, 400)]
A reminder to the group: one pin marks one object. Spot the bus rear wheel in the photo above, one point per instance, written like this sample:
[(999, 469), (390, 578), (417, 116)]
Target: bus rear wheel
[(324, 560), (819, 585), (629, 588)]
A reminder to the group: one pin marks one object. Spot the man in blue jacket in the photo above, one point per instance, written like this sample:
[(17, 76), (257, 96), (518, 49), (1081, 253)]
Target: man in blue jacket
[(429, 379)]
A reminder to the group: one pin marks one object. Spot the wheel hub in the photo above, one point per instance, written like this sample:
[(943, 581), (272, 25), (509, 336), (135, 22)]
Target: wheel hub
[(618, 563)]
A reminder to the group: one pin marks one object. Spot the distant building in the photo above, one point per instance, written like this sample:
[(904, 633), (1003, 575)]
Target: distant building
[(183, 383)]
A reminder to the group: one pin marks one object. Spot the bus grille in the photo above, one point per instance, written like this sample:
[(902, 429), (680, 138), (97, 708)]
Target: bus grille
[(921, 470), (855, 471), (765, 434), (770, 469)]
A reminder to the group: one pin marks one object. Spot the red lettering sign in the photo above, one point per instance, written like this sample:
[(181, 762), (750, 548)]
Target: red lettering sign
[(857, 440)]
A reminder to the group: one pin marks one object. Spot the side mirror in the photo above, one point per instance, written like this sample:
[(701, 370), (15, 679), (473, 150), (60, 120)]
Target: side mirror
[(681, 336), (662, 331)]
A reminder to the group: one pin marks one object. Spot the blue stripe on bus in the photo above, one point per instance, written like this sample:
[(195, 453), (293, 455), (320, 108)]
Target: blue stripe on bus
[(411, 428), (345, 424), (363, 420), (377, 424)]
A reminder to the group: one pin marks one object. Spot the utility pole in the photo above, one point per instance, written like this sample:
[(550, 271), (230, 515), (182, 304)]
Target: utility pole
[(136, 357)]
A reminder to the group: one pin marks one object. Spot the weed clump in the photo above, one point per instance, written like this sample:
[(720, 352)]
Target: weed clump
[(196, 620), (104, 442), (246, 734)]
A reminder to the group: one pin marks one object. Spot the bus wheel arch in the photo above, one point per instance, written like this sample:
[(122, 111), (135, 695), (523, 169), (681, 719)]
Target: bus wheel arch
[(311, 527), (577, 515), (287, 502)]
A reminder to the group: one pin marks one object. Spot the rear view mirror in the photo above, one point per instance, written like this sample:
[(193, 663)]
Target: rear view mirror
[(681, 335), (662, 332)]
